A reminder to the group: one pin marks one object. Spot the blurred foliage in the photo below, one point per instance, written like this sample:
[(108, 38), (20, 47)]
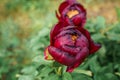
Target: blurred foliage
[(118, 13), (24, 34)]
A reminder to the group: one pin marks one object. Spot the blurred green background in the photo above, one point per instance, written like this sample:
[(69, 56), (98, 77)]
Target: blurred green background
[(24, 34)]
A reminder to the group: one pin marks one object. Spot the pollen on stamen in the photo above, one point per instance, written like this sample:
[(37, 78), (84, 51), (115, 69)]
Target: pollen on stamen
[(47, 55), (72, 13), (74, 37)]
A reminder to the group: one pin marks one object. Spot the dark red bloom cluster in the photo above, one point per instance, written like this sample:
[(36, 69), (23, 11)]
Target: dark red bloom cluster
[(70, 43)]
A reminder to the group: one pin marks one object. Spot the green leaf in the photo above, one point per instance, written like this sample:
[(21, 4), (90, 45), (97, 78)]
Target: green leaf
[(44, 32), (99, 77), (28, 70), (113, 36), (107, 76), (90, 26), (108, 68), (101, 21), (45, 71), (52, 77), (41, 61), (94, 65), (102, 51), (81, 77), (111, 76), (26, 77), (86, 72), (97, 36), (67, 76)]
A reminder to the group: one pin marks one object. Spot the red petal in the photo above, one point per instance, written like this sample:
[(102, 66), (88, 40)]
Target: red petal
[(79, 20), (61, 56), (53, 33), (80, 57), (85, 32), (81, 8), (92, 46), (68, 4), (63, 6), (56, 29), (64, 42)]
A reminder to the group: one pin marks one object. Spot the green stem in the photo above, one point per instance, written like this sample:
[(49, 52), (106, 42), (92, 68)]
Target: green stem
[(58, 68)]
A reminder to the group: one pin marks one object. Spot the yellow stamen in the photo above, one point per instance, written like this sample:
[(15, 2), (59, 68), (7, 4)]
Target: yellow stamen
[(74, 37), (72, 13), (48, 56)]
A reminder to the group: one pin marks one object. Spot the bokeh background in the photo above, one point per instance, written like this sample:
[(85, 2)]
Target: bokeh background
[(24, 34)]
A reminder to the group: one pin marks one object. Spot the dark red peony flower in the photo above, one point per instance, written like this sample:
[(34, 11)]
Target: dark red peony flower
[(72, 12), (70, 43)]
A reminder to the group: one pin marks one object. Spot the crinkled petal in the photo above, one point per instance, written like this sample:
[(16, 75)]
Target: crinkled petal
[(55, 30), (79, 20), (61, 56), (64, 42), (81, 8), (63, 6), (79, 59), (93, 47)]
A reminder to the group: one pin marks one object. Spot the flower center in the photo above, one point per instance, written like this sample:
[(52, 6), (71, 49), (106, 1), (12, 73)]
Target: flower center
[(72, 13), (74, 37)]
